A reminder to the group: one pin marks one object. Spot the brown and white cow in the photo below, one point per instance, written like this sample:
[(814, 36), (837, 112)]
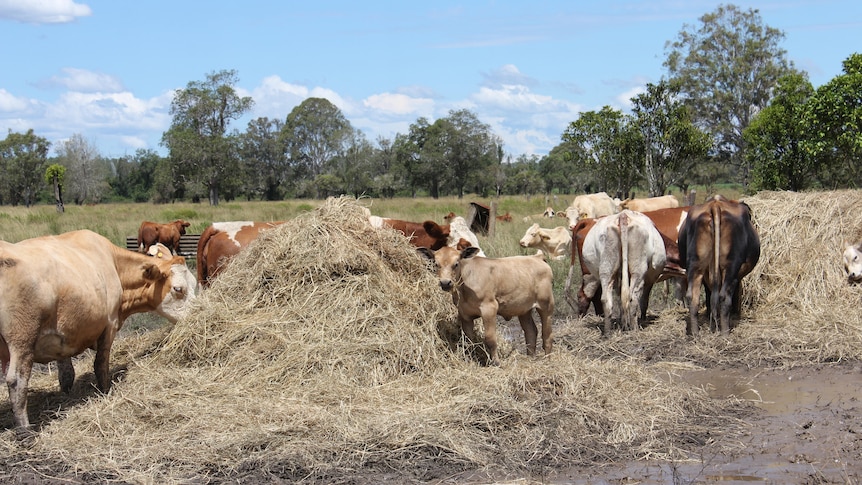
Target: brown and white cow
[(168, 234), (668, 223), (221, 241), (590, 206), (853, 262), (719, 245), (458, 230), (650, 204), (549, 212), (61, 295), (426, 234), (487, 287), (626, 251), (555, 243)]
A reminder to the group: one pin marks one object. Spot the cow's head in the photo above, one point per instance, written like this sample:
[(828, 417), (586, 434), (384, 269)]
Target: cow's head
[(448, 262), (174, 286), (182, 225), (853, 262), (532, 237)]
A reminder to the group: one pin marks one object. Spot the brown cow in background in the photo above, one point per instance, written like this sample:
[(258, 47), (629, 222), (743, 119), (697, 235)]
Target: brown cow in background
[(168, 234)]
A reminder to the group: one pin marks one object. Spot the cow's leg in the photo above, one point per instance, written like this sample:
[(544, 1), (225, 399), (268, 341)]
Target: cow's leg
[(693, 297), (66, 374), (546, 311), (607, 289), (17, 380), (531, 333), (489, 321), (101, 366)]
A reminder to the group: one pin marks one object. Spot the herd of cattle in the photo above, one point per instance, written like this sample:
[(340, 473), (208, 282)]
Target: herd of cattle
[(60, 295)]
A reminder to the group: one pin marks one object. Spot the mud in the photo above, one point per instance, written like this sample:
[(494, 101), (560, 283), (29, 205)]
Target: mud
[(805, 428)]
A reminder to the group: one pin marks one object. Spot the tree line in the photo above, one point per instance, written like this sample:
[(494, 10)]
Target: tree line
[(732, 108)]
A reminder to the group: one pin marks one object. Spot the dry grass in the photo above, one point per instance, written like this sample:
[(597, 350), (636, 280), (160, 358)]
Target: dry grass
[(317, 357)]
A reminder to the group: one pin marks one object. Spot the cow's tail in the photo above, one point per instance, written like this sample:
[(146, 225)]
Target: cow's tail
[(716, 268), (625, 291), (201, 256)]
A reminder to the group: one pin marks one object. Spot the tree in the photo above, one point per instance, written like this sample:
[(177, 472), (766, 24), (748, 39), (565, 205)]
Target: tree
[(55, 175), (198, 140), (22, 162), (672, 145), (727, 69), (469, 147), (608, 147), (87, 173), (314, 134), (776, 138), (836, 126), (263, 157)]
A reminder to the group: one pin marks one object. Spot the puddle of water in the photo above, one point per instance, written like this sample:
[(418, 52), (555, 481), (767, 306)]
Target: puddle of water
[(776, 392)]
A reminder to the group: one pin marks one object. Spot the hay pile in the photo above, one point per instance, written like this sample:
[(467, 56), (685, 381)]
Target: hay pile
[(317, 356), (797, 307)]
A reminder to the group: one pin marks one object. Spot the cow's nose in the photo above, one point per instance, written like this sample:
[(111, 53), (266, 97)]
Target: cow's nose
[(522, 244), (445, 285)]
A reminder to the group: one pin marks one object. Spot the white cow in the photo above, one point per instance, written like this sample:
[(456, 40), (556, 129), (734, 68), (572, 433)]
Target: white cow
[(627, 253), (853, 262), (458, 229), (487, 287), (650, 204), (590, 206), (556, 243), (61, 295)]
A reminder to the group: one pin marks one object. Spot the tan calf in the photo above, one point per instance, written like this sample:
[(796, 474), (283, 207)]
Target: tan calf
[(487, 287), (555, 243)]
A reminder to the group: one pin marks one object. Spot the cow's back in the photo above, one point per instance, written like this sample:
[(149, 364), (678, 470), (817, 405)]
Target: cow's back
[(516, 282)]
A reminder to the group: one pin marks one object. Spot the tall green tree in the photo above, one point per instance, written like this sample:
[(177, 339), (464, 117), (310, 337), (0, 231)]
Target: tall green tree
[(23, 158), (470, 148), (55, 175), (200, 146), (777, 137), (727, 68), (609, 149), (264, 160), (672, 144), (836, 130), (315, 133)]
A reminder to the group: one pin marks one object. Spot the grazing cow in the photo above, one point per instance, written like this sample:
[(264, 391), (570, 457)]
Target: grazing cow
[(505, 217), (719, 246), (555, 243), (853, 262), (650, 204), (487, 287), (61, 295), (168, 234), (668, 223), (627, 253), (590, 206), (549, 212), (221, 241)]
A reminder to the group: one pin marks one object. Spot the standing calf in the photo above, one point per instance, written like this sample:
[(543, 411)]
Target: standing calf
[(487, 287)]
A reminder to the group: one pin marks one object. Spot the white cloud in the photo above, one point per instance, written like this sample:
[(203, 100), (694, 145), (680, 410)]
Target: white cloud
[(625, 98), (399, 104), (9, 103), (110, 112), (82, 80), (276, 98), (508, 74), (43, 11)]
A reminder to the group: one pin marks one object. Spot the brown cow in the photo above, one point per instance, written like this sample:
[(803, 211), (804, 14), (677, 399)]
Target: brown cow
[(487, 287), (505, 217), (221, 241), (168, 234), (668, 223), (62, 295), (426, 234), (719, 245)]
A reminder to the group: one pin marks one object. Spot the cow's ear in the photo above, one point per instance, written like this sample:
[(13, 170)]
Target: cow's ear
[(546, 237), (469, 252), (152, 272), (429, 254)]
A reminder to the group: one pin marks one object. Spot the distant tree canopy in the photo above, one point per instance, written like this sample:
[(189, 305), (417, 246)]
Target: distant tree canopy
[(23, 158)]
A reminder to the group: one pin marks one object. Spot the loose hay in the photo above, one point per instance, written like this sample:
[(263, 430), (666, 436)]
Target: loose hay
[(320, 354)]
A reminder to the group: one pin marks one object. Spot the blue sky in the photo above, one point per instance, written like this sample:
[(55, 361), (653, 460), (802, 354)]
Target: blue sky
[(107, 69)]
